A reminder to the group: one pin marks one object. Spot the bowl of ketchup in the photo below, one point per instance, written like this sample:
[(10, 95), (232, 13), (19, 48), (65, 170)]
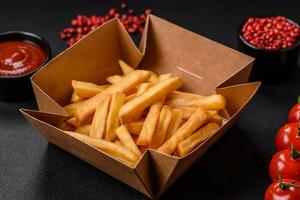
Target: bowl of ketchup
[(21, 55)]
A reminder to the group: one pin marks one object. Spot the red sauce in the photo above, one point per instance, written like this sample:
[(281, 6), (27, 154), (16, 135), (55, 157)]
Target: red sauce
[(19, 58)]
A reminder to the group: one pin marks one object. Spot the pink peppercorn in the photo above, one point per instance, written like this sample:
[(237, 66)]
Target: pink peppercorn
[(82, 24), (271, 33)]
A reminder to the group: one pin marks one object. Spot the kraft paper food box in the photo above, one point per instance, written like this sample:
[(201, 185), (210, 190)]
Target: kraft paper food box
[(204, 66)]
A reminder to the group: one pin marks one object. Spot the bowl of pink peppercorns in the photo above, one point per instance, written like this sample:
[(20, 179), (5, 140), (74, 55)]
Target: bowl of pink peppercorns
[(274, 43)]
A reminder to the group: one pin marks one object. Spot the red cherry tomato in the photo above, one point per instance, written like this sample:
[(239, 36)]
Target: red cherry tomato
[(287, 136), (286, 163), (287, 189), (294, 115)]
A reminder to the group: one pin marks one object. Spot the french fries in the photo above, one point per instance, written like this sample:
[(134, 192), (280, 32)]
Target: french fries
[(153, 78), (187, 111), (118, 141), (113, 79), (129, 97), (139, 110), (75, 98), (99, 121), (87, 107), (183, 96), (117, 101), (187, 145), (217, 119), (126, 69), (143, 87), (192, 124), (164, 77), (115, 150), (135, 127), (86, 89), (212, 102), (150, 124), (162, 126), (71, 108), (153, 94), (85, 129), (72, 121), (177, 119), (127, 140), (65, 126)]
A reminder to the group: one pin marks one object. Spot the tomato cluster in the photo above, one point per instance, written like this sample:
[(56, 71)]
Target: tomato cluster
[(284, 167)]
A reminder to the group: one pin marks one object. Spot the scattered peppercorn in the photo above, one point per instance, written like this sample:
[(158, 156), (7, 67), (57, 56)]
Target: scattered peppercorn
[(271, 33), (82, 24)]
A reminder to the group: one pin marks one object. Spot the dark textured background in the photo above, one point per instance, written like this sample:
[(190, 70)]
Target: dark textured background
[(235, 168)]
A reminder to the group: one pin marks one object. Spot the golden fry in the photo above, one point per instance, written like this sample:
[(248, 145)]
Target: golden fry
[(118, 141), (126, 69), (85, 129), (153, 78), (117, 151), (65, 126), (187, 111), (162, 126), (100, 117), (75, 98), (212, 102), (142, 88), (191, 125), (177, 120), (72, 121), (149, 125), (86, 89), (152, 95), (135, 127), (114, 79), (164, 77), (132, 91), (71, 108), (183, 95), (190, 143), (127, 140), (216, 119), (87, 107), (117, 101), (129, 97)]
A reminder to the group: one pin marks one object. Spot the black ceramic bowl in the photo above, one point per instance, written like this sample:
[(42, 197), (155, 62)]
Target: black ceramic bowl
[(18, 88), (270, 66)]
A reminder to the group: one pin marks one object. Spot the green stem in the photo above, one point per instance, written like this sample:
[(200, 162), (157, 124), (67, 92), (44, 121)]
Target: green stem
[(294, 153), (298, 99), (285, 186), (298, 134)]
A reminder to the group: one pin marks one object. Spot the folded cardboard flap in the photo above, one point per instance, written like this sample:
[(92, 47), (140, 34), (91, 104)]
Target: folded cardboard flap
[(84, 151), (49, 118), (203, 65), (94, 59), (155, 172)]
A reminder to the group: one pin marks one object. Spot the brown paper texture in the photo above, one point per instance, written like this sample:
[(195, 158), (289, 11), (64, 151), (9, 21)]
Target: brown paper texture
[(204, 66)]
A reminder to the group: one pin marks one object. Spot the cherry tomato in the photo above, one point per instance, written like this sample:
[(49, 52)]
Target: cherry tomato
[(294, 115), (287, 136), (286, 163), (287, 189)]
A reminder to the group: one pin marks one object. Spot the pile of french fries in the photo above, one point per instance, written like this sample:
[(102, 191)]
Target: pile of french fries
[(140, 110)]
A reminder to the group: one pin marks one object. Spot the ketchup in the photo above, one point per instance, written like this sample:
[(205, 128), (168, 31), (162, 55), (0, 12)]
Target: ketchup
[(19, 58)]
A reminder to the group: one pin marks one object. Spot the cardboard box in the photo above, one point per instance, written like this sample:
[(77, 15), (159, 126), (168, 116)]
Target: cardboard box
[(204, 66)]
